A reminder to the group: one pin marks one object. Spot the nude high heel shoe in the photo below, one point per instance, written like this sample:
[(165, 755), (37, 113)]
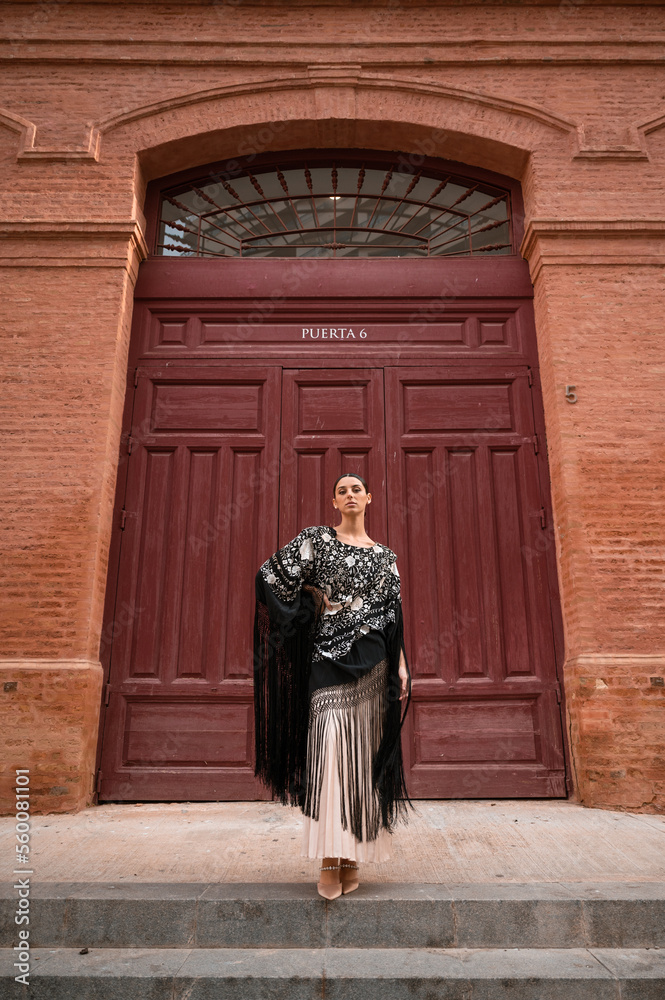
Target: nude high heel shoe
[(349, 875), (333, 888)]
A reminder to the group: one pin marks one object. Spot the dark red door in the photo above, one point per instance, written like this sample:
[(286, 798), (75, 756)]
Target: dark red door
[(200, 514), (464, 512), (227, 463)]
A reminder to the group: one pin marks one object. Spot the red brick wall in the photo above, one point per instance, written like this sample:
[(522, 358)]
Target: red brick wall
[(601, 331), (99, 98), (616, 723)]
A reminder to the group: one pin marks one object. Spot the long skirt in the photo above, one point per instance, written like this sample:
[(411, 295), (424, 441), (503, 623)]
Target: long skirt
[(344, 732)]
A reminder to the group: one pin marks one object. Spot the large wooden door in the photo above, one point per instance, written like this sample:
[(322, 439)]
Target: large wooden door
[(227, 463), (199, 515), (244, 412), (465, 515)]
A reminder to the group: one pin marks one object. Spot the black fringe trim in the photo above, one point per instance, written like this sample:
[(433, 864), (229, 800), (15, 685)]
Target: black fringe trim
[(388, 766), (283, 646)]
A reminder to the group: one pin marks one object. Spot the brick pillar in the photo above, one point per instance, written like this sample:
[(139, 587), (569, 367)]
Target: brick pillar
[(67, 304), (599, 321)]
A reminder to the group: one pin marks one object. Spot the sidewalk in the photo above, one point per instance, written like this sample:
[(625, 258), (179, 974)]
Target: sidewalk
[(444, 842)]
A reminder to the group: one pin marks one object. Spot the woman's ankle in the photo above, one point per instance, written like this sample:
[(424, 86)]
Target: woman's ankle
[(330, 871)]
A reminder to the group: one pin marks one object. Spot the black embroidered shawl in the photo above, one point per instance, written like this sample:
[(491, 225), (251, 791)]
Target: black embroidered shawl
[(291, 627)]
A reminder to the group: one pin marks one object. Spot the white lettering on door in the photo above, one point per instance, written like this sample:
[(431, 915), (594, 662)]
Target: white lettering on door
[(331, 333)]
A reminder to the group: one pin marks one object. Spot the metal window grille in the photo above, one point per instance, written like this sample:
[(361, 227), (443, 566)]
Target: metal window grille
[(334, 209)]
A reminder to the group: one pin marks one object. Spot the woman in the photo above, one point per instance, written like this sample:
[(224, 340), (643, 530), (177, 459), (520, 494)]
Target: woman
[(331, 676)]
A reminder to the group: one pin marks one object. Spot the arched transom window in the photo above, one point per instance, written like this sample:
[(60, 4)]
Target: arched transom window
[(334, 208)]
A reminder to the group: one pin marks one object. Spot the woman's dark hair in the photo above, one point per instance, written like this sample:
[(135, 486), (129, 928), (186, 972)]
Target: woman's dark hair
[(355, 476)]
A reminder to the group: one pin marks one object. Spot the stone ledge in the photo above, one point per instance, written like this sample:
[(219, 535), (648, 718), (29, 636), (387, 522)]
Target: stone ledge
[(574, 241), (37, 664), (389, 916), (73, 242), (489, 974)]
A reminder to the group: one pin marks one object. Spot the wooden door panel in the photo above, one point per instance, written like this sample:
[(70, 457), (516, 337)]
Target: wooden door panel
[(465, 517), (186, 733), (333, 422), (487, 731), (201, 515)]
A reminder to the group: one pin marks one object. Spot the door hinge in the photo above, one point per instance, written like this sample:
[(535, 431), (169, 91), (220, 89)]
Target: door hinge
[(98, 786), (529, 376), (543, 519), (107, 694), (136, 377), (123, 518), (557, 691), (130, 444), (535, 443)]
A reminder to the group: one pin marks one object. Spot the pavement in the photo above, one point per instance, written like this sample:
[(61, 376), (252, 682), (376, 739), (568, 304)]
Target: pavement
[(470, 841)]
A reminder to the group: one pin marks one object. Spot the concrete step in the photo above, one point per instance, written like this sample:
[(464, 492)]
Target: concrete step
[(379, 916), (341, 974)]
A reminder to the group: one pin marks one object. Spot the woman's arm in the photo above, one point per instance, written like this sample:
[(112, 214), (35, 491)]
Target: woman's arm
[(403, 676), (290, 568), (394, 590)]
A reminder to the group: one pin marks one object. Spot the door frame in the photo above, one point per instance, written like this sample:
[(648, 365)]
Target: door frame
[(420, 291)]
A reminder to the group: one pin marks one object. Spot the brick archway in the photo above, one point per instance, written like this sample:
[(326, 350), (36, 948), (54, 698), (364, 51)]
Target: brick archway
[(128, 773), (327, 109), (314, 112)]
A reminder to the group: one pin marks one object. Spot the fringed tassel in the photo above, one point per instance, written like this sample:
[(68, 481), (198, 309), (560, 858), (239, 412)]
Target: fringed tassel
[(283, 639), (351, 718), (388, 768)]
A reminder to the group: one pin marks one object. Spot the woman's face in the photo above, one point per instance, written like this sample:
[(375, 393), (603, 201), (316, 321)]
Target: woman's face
[(351, 496)]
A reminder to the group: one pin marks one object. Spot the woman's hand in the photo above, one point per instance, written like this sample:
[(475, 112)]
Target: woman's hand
[(403, 679)]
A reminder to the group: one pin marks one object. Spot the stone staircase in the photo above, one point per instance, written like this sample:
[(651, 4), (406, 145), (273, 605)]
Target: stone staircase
[(161, 941)]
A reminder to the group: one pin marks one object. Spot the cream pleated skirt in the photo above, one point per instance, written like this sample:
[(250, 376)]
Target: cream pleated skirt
[(343, 736)]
